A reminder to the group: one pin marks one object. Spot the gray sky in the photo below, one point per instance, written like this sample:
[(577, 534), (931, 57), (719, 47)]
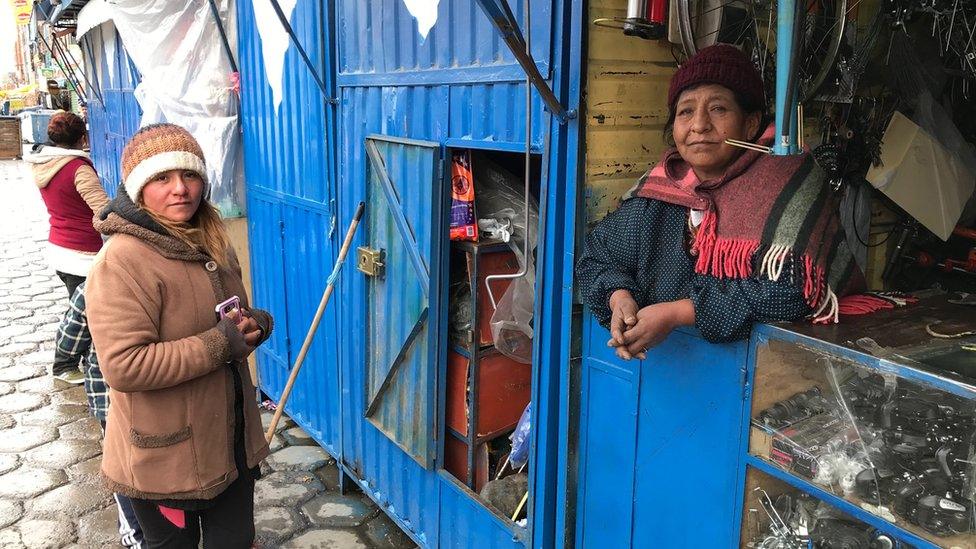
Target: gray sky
[(7, 35)]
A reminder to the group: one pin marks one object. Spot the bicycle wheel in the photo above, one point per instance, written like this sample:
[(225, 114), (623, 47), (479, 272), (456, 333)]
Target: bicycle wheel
[(751, 25)]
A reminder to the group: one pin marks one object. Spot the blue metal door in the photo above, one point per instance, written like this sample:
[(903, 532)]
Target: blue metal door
[(659, 443), (405, 226), (289, 161)]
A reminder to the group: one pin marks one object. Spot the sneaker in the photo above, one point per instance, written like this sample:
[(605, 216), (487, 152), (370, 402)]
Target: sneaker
[(74, 377)]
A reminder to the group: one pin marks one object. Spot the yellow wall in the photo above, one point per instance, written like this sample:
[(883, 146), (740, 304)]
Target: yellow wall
[(237, 228), (626, 108)]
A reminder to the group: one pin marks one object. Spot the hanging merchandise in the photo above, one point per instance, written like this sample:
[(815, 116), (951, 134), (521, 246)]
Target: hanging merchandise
[(463, 224), (645, 19)]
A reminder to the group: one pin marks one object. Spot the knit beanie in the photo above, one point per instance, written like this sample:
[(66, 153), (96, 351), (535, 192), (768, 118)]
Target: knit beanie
[(159, 148), (721, 64)]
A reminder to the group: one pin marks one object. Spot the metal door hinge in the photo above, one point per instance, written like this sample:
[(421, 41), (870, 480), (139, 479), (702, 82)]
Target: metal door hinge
[(370, 261)]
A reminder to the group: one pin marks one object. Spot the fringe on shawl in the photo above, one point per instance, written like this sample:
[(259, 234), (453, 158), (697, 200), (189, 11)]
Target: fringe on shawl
[(733, 258)]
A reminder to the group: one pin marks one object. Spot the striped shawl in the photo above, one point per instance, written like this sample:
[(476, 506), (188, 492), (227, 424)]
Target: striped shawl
[(771, 216)]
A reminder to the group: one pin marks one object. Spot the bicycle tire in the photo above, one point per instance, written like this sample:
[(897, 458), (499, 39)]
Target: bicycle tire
[(812, 85)]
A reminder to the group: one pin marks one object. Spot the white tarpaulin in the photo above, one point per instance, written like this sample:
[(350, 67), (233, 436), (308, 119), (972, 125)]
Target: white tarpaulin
[(186, 80)]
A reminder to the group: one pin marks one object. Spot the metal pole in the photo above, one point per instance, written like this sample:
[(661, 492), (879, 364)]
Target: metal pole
[(301, 51), (66, 72), (66, 51), (223, 35), (528, 165), (785, 17), (330, 286)]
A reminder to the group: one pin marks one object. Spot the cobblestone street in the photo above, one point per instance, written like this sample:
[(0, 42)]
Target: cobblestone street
[(50, 491)]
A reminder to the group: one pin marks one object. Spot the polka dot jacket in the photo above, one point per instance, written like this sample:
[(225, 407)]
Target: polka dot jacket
[(643, 247)]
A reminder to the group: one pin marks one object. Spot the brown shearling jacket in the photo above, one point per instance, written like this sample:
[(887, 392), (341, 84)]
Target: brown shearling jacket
[(170, 428)]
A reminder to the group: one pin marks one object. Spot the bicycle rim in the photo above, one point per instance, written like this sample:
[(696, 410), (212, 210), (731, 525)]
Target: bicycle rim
[(695, 33)]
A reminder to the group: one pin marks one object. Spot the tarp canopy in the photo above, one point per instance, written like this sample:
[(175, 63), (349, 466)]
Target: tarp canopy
[(186, 78)]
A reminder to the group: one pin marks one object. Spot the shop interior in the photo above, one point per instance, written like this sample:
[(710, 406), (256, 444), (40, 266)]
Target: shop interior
[(491, 301), (887, 94)]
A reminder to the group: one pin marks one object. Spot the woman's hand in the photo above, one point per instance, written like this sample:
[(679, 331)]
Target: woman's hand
[(624, 316), (250, 328), (654, 324)]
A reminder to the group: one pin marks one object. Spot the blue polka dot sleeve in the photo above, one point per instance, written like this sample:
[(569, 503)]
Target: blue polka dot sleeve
[(642, 247), (725, 310), (609, 261)]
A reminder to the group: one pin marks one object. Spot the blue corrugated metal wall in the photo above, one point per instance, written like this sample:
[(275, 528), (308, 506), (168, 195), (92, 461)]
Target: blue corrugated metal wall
[(391, 83), (111, 123), (460, 87), (288, 158)]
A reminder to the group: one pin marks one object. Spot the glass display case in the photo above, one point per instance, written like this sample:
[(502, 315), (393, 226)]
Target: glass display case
[(880, 426), (780, 516)]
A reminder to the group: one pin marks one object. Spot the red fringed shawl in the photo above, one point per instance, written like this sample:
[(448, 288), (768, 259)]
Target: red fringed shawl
[(771, 216)]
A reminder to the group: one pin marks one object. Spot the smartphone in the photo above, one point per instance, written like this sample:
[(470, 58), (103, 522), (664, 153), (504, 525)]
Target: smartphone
[(225, 308)]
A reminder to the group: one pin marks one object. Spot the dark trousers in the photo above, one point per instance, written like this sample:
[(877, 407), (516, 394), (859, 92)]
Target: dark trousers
[(66, 363), (229, 523), (70, 282)]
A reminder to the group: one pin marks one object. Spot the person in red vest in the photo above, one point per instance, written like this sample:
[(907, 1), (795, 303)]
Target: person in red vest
[(72, 192)]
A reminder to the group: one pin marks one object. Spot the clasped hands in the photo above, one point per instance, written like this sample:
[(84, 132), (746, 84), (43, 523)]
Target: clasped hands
[(633, 331)]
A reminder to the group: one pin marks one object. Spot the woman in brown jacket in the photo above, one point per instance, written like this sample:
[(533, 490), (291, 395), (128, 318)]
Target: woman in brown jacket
[(183, 436)]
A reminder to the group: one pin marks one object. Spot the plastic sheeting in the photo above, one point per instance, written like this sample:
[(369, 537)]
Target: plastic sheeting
[(186, 79)]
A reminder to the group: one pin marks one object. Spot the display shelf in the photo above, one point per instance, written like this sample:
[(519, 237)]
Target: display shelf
[(905, 533), (877, 405), (486, 391), (779, 514), (482, 246)]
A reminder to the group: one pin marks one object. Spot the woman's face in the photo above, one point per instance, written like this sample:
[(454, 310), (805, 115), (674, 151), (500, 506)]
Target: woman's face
[(175, 194), (704, 118)]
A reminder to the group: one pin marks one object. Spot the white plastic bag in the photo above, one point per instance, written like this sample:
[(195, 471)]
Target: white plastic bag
[(500, 195)]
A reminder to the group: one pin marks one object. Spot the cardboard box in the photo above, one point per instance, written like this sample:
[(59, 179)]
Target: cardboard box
[(10, 139)]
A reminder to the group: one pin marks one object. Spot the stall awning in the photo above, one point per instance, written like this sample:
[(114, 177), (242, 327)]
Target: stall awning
[(61, 15)]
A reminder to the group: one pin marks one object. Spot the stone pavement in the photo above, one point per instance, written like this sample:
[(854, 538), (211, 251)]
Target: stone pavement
[(50, 491)]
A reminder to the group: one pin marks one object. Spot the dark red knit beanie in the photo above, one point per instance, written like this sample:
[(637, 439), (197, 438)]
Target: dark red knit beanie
[(719, 64)]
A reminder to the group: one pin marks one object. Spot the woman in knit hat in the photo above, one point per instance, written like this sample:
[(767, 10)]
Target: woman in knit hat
[(716, 236), (183, 437), (73, 195)]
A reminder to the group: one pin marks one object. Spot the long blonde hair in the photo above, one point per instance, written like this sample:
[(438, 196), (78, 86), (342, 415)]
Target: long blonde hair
[(205, 232)]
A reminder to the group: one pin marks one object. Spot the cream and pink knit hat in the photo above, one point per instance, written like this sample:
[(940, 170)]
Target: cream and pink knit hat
[(159, 148)]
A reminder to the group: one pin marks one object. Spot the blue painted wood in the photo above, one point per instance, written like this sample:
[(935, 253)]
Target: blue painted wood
[(660, 443), (688, 447), (113, 114), (607, 447), (490, 74), (274, 357), (552, 449), (288, 164), (459, 86)]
